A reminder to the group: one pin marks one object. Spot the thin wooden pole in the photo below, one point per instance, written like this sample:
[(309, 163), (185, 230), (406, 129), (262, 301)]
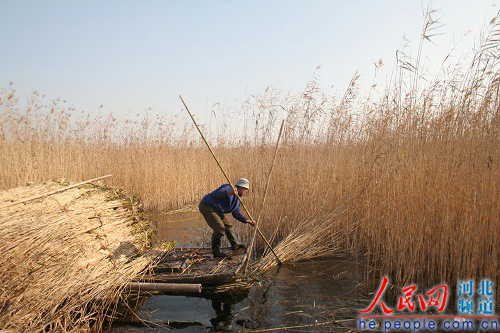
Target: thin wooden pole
[(169, 288), (54, 192), (228, 180), (268, 181)]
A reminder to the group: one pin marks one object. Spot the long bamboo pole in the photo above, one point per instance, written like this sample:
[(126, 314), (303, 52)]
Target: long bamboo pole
[(268, 181), (54, 192), (228, 180)]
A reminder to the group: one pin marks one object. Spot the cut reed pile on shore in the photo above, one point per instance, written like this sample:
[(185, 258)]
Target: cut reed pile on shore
[(67, 257)]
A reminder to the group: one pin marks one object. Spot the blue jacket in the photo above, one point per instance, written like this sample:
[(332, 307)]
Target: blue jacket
[(224, 203)]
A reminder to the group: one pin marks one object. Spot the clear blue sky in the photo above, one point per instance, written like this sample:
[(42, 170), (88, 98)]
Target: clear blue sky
[(131, 55)]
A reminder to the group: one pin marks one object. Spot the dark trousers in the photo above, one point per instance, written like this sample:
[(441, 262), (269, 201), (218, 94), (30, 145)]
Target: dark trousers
[(219, 224)]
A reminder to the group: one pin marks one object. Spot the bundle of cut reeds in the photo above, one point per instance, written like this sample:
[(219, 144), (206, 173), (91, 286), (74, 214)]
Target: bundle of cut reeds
[(317, 236), (66, 257)]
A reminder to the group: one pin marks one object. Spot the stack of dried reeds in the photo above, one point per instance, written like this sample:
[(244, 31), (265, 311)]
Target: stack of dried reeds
[(66, 257)]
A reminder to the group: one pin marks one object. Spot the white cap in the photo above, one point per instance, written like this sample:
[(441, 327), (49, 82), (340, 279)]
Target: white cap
[(243, 182)]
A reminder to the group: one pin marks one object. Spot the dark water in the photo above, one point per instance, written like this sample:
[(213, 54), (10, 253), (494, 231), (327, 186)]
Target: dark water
[(315, 292), (302, 294)]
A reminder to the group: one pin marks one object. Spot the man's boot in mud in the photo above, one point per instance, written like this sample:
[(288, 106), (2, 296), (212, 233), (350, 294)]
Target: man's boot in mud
[(234, 244), (216, 242)]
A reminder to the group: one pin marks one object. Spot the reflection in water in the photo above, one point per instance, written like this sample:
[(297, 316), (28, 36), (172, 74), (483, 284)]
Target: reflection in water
[(223, 314), (322, 291)]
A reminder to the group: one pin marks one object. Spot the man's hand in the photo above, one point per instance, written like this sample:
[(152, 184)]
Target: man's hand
[(232, 192), (251, 223)]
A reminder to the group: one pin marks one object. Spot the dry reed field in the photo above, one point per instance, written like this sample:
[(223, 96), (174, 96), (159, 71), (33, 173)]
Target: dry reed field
[(409, 180)]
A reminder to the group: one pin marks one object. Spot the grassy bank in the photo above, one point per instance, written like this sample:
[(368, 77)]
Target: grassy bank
[(415, 171)]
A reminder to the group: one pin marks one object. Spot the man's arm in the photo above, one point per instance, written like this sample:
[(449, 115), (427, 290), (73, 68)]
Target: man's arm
[(223, 191), (240, 217)]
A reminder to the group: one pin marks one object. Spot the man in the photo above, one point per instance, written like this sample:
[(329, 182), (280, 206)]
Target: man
[(214, 205)]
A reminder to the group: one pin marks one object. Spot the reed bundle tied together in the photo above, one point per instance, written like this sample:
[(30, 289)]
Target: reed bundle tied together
[(66, 258)]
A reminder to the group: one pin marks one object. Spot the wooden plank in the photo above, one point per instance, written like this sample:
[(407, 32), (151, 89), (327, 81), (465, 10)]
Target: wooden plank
[(204, 280), (170, 288), (173, 267), (198, 266)]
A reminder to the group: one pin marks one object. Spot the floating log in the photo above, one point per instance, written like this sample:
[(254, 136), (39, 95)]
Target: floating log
[(205, 280), (173, 288)]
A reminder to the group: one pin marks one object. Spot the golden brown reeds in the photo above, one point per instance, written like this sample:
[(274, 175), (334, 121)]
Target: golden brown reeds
[(425, 154), (313, 237), (428, 211), (65, 258)]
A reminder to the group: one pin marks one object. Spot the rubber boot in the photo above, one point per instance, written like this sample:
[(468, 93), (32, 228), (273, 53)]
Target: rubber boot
[(216, 241), (234, 244)]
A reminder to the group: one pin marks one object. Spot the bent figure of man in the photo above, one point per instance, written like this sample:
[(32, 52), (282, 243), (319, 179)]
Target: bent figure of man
[(222, 201)]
